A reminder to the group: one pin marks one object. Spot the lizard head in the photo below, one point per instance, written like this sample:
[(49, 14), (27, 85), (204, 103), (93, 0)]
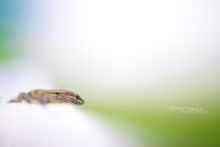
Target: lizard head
[(73, 98)]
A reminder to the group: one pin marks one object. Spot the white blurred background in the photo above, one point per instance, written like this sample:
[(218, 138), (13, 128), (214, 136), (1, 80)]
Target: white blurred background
[(121, 43)]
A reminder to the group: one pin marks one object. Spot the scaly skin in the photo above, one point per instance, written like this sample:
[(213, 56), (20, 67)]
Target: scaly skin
[(49, 96)]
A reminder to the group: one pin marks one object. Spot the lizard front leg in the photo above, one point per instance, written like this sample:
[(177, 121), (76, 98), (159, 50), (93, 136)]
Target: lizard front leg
[(49, 98)]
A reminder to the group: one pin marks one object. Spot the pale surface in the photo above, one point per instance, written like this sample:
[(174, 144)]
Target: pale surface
[(24, 125)]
